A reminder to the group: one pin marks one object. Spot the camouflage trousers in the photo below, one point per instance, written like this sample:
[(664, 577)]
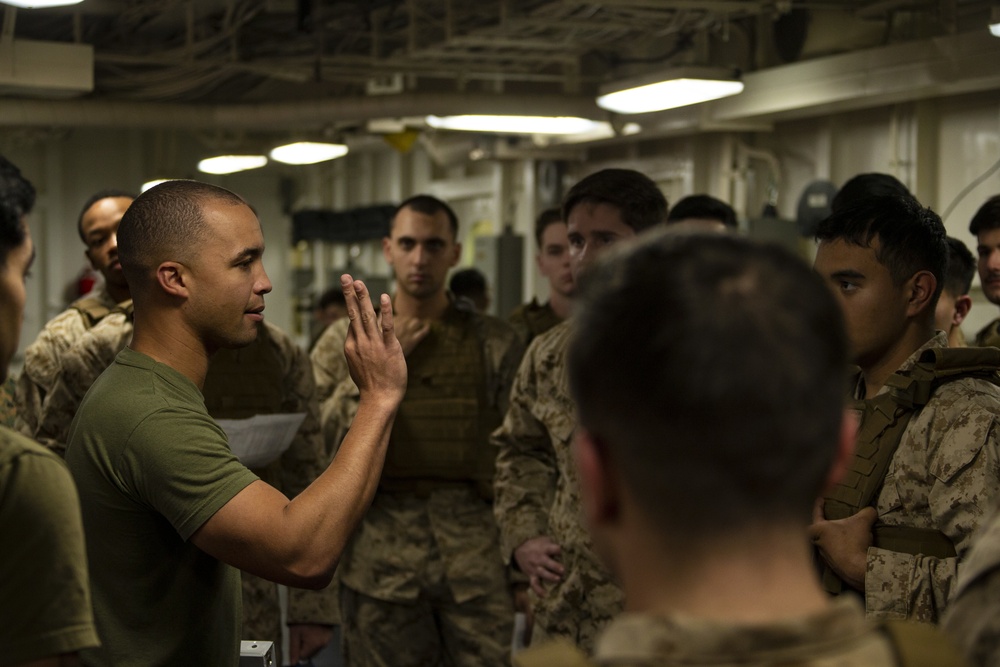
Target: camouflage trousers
[(261, 611), (434, 630), (577, 609)]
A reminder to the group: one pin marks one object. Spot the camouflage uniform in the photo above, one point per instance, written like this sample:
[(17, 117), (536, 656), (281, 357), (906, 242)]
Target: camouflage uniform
[(836, 636), (533, 319), (7, 408), (973, 618), (300, 464), (423, 582), (42, 359), (943, 476), (989, 336), (537, 493)]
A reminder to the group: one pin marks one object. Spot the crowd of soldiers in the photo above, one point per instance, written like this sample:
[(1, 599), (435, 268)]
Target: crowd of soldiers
[(662, 464)]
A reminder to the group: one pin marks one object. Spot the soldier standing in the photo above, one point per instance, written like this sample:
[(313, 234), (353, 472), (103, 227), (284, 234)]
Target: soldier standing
[(98, 229), (927, 466), (552, 258), (537, 494), (985, 226), (422, 580)]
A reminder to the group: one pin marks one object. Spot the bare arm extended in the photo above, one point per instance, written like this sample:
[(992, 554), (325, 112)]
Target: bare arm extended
[(299, 542)]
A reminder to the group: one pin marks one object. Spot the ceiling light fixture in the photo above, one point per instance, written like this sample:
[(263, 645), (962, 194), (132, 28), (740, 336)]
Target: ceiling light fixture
[(669, 90), (153, 183), (230, 164), (40, 4), (995, 21), (308, 152), (514, 124)]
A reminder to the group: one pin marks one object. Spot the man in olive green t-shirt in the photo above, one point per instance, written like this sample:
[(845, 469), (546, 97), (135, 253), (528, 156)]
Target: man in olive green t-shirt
[(168, 509)]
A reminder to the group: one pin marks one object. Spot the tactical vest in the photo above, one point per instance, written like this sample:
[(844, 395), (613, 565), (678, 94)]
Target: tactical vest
[(989, 336), (883, 420), (245, 382), (441, 432), (539, 320), (92, 309), (913, 644)]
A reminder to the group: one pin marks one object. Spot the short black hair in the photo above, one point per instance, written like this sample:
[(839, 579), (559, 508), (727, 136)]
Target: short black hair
[(163, 223), (987, 217), (711, 369), (911, 237), (429, 205), (470, 283), (961, 268), (332, 296), (635, 195), (864, 186), (549, 216), (17, 198), (705, 207), (107, 193)]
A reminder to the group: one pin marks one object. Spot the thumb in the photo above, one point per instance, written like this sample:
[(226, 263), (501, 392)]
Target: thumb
[(868, 515)]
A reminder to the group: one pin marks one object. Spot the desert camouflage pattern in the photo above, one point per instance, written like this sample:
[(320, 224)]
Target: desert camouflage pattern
[(944, 476), (7, 407), (533, 319), (538, 493), (838, 636), (420, 546), (43, 360), (300, 464)]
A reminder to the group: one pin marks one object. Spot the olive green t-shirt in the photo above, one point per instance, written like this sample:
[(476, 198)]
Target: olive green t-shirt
[(44, 597), (152, 466)]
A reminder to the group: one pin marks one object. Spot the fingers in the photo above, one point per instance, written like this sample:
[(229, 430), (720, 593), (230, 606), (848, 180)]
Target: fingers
[(536, 586), (818, 510), (385, 318), (350, 297), (359, 304)]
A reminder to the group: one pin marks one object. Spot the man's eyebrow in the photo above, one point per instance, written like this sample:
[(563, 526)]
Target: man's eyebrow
[(249, 253), (847, 273)]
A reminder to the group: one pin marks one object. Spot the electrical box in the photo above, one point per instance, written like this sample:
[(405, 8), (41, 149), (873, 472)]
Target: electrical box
[(257, 654)]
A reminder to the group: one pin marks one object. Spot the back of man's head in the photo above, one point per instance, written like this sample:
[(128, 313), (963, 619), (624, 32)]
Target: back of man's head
[(864, 186), (987, 217), (906, 236), (634, 194), (961, 268), (702, 207), (165, 223), (17, 198), (712, 370)]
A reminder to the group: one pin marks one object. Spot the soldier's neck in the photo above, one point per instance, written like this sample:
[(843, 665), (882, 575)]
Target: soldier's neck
[(172, 346), (560, 304), (876, 371), (117, 293), (432, 307)]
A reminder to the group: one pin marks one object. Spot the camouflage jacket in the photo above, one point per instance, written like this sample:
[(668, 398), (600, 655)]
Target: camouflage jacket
[(43, 359), (297, 467), (989, 336), (407, 538), (973, 618), (538, 493), (533, 319), (943, 476), (7, 407)]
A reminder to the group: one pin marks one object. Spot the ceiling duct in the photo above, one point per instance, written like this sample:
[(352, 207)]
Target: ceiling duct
[(45, 69)]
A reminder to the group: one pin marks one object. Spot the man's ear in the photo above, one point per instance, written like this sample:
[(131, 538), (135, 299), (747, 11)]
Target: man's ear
[(921, 286), (963, 305), (846, 441), (173, 277), (598, 481), (456, 254), (387, 249)]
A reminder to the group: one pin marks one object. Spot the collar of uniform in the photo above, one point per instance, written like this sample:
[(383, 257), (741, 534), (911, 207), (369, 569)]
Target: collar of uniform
[(938, 340), (634, 638)]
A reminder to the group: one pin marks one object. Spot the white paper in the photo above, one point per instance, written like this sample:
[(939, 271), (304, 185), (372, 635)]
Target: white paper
[(261, 439)]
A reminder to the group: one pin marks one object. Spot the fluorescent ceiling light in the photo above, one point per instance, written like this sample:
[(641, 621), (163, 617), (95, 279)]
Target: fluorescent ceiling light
[(995, 29), (668, 90), (308, 152), (514, 124), (995, 20), (229, 164), (38, 4)]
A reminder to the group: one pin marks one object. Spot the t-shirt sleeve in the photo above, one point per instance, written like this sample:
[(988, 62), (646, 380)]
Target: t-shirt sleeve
[(47, 609), (179, 463)]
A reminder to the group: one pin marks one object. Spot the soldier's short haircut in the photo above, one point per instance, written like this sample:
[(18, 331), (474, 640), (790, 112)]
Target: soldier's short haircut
[(429, 205), (634, 194), (469, 282), (961, 268), (710, 371), (911, 237), (165, 223), (703, 207), (864, 186), (107, 193), (549, 216), (17, 198), (987, 217)]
